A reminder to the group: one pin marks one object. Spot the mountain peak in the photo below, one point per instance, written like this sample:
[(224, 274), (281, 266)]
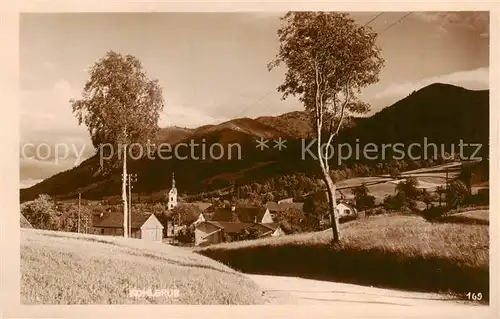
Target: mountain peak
[(442, 86)]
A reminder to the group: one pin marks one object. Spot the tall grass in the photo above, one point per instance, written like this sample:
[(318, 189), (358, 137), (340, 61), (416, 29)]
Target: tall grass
[(396, 251), (65, 268)]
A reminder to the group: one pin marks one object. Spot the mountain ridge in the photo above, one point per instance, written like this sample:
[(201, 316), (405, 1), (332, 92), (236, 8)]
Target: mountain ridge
[(443, 113)]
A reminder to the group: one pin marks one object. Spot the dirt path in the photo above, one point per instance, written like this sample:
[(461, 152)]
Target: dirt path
[(293, 290)]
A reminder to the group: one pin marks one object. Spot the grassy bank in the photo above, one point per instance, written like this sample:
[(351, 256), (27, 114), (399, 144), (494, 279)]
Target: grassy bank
[(66, 268), (396, 251)]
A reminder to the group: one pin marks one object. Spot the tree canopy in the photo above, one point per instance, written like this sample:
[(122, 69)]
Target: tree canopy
[(329, 59), (119, 103)]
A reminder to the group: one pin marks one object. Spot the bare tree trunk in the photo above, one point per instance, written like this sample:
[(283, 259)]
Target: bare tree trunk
[(323, 161), (124, 193), (332, 203), (330, 187)]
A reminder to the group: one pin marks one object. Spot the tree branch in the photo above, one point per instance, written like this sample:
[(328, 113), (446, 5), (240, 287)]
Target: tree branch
[(342, 113)]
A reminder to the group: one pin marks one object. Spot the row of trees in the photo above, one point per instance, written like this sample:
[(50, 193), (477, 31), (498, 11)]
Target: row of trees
[(296, 185), (407, 194), (45, 213)]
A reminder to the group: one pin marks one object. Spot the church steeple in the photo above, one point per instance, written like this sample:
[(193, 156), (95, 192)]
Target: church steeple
[(172, 194)]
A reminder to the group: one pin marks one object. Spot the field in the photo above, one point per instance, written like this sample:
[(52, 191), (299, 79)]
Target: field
[(381, 186), (476, 216), (391, 251), (66, 268)]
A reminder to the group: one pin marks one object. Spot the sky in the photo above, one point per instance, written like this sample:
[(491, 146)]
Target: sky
[(213, 67)]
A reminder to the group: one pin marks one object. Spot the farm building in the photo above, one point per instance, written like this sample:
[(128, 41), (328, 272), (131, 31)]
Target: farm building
[(276, 208), (231, 221), (201, 219), (213, 232), (345, 211), (143, 226), (243, 214), (202, 206)]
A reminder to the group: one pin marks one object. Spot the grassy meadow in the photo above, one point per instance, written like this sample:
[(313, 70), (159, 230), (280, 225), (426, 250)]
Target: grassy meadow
[(381, 186), (69, 268), (392, 251)]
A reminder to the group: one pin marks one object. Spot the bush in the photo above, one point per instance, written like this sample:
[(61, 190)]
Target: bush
[(361, 197), (396, 202), (456, 193), (477, 199), (68, 220), (42, 213), (186, 235), (376, 211), (409, 188), (248, 234), (434, 212)]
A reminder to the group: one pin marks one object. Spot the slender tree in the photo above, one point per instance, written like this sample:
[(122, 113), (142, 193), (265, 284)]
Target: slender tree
[(329, 59), (120, 106)]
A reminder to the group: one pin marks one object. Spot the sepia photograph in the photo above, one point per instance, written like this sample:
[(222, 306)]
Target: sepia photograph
[(312, 158)]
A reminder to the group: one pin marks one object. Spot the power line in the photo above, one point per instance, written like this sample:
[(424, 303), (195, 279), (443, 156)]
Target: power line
[(393, 24), (255, 102), (268, 93), (246, 108), (373, 19)]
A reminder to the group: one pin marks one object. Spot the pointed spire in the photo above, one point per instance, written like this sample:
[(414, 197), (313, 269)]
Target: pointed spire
[(173, 180)]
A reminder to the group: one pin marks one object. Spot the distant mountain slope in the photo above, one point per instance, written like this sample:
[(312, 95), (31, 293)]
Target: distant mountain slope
[(297, 124), (441, 113), (244, 125), (173, 134)]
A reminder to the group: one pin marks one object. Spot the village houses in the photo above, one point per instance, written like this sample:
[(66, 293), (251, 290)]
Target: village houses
[(230, 222), (219, 225)]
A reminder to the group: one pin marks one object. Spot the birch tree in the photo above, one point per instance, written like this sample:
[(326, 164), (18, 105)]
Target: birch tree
[(328, 59), (120, 105)]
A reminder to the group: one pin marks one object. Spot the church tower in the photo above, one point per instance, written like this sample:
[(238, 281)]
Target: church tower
[(172, 195)]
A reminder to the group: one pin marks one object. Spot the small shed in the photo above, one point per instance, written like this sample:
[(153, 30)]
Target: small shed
[(143, 226), (152, 229)]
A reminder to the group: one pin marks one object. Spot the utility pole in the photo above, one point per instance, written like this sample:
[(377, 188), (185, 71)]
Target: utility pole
[(124, 193), (131, 178), (446, 179), (79, 205)]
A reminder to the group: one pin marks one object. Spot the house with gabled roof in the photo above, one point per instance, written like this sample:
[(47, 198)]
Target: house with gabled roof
[(231, 221), (143, 226), (213, 232), (202, 206), (244, 214), (345, 212), (276, 208)]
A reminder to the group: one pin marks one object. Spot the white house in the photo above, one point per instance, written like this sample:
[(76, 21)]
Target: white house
[(143, 226), (152, 229), (346, 210)]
